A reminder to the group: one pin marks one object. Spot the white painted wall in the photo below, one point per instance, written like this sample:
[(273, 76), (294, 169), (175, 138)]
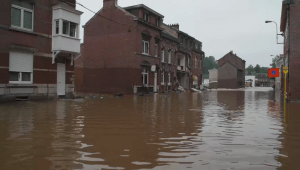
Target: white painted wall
[(252, 78), (64, 43), (213, 75)]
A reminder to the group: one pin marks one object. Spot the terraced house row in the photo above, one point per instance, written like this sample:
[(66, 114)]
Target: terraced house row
[(38, 43), (131, 50)]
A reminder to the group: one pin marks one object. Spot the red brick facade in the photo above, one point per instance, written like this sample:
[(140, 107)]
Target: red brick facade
[(290, 26), (37, 42), (113, 59)]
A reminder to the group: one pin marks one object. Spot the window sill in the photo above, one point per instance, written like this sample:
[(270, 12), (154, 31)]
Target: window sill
[(163, 62), (14, 85), (62, 35), (22, 30)]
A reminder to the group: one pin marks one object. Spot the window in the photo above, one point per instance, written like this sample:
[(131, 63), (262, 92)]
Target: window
[(178, 61), (191, 44), (57, 27), (69, 28), (181, 40), (156, 50), (20, 67), (196, 63), (146, 17), (157, 22), (169, 56), (200, 65), (145, 76), (169, 78), (162, 55), (22, 15), (145, 47), (162, 78)]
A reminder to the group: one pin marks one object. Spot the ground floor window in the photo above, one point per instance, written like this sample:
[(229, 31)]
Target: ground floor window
[(20, 68), (145, 76), (169, 78)]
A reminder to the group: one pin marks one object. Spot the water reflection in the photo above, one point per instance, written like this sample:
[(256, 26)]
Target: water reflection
[(209, 130)]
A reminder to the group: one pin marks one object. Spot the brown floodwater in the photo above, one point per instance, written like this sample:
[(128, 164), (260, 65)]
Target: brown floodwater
[(214, 130)]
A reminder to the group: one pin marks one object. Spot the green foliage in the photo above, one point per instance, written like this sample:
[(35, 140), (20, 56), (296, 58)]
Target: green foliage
[(209, 63), (274, 60), (250, 69), (257, 68), (264, 70)]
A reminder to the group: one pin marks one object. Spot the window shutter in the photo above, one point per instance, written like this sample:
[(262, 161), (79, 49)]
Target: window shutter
[(15, 17), (27, 20), (20, 62)]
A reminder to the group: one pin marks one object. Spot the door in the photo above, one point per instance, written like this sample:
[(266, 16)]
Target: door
[(61, 79), (155, 82)]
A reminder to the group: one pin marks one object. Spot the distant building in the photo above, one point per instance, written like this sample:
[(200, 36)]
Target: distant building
[(290, 26), (213, 78), (231, 71), (249, 79), (262, 80)]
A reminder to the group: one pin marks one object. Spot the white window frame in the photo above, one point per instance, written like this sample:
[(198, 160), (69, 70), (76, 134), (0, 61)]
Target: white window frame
[(169, 56), (162, 77), (169, 78), (196, 63), (69, 31), (162, 56), (156, 50), (144, 44), (20, 76), (22, 17), (145, 72), (146, 17)]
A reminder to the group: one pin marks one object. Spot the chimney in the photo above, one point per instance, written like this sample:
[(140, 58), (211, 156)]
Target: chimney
[(175, 26), (109, 3)]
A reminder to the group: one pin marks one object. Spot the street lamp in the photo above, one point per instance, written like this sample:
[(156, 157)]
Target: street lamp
[(276, 31)]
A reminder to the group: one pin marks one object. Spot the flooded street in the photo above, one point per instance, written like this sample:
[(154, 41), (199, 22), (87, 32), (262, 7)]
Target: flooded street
[(213, 130)]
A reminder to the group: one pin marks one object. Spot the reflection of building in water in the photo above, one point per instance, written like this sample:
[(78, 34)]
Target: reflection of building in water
[(232, 100), (134, 133), (290, 137)]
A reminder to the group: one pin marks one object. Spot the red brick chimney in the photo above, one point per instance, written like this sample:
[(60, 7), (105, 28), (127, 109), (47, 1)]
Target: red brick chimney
[(175, 26), (109, 3)]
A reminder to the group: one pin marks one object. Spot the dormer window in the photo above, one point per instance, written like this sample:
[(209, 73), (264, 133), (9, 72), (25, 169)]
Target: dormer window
[(22, 15), (146, 17)]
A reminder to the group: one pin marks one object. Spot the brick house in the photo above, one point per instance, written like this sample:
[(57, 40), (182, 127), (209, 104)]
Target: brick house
[(38, 41), (290, 26), (128, 50), (231, 71)]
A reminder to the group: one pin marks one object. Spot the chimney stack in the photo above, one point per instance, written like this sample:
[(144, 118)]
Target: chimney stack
[(109, 3), (175, 26)]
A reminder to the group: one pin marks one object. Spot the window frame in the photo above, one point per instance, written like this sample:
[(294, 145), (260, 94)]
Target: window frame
[(22, 17), (145, 72), (196, 63), (156, 50), (144, 42), (146, 17), (169, 78), (162, 56), (20, 81), (69, 30), (162, 77), (169, 56)]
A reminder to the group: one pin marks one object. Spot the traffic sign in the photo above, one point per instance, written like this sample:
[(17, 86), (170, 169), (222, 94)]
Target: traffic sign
[(285, 70)]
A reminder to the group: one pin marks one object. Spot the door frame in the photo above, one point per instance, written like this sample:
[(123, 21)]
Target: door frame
[(64, 73)]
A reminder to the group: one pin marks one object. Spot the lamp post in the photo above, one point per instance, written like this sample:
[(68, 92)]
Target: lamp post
[(276, 30)]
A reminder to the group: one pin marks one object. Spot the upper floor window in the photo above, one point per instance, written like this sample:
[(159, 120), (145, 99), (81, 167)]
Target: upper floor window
[(157, 22), (145, 47), (191, 44), (22, 14), (196, 63), (146, 17), (169, 56), (156, 50), (162, 55), (181, 40), (69, 28)]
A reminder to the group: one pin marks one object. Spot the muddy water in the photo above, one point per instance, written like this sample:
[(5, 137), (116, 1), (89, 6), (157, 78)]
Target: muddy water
[(212, 130)]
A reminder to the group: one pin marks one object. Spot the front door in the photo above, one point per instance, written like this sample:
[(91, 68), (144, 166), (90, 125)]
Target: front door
[(155, 82), (61, 79)]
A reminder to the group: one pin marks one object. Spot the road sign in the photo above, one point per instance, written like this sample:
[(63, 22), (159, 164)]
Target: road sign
[(273, 72), (285, 70)]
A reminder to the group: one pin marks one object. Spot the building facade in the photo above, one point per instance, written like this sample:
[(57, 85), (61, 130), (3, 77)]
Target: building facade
[(262, 80), (131, 50), (290, 26), (231, 71), (38, 41)]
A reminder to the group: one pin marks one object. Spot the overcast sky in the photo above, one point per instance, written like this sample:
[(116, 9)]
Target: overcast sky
[(221, 25)]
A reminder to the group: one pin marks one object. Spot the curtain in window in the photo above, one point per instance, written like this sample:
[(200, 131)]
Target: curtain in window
[(27, 20), (65, 27), (15, 17)]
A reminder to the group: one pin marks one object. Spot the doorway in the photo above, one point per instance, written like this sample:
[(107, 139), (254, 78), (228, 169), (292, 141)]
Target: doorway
[(61, 79)]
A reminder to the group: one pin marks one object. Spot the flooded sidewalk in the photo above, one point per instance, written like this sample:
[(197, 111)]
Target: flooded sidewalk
[(212, 130)]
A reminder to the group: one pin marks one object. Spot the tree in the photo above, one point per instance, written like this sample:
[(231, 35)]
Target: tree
[(250, 69), (274, 61), (257, 68), (264, 70), (209, 63)]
